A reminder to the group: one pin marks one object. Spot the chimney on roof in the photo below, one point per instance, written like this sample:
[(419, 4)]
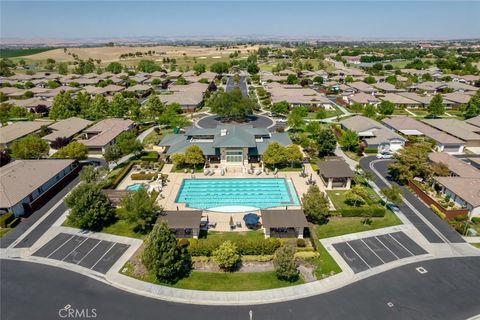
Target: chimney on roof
[(223, 132)]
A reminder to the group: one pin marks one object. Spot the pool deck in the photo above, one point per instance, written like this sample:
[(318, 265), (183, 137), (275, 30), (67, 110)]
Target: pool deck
[(169, 192)]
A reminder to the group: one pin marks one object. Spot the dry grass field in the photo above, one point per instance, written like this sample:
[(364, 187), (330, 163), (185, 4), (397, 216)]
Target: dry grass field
[(109, 54)]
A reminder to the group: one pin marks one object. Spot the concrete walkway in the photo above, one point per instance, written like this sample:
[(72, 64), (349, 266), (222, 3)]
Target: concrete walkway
[(351, 163)]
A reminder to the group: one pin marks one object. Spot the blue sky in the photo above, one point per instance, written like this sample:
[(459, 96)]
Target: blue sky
[(397, 19)]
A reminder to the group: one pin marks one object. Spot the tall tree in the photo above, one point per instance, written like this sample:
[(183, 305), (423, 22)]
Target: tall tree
[(349, 140), (74, 150), (436, 107), (114, 67), (393, 195), (89, 207), (274, 154), (163, 256), (293, 154), (128, 143), (112, 153), (472, 109), (118, 107), (141, 209), (280, 107), (326, 142), (30, 147), (98, 108), (63, 106), (231, 104), (315, 205), (194, 155), (153, 108), (386, 107)]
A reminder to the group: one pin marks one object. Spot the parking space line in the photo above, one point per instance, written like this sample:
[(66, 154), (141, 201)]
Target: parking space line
[(59, 247), (89, 251), (85, 239), (113, 244), (401, 244), (383, 244), (383, 262), (358, 255)]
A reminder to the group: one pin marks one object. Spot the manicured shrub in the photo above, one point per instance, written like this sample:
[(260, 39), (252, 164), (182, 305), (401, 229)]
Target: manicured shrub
[(5, 219), (367, 211), (13, 223), (301, 243), (183, 242), (150, 156), (476, 220), (370, 150), (461, 217), (438, 212), (226, 256), (143, 176), (284, 263), (205, 247)]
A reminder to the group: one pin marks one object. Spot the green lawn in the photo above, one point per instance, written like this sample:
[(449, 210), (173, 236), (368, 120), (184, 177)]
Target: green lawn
[(234, 236), (221, 281), (324, 264), (340, 226), (119, 228), (476, 245), (338, 198), (4, 231), (352, 155), (239, 281)]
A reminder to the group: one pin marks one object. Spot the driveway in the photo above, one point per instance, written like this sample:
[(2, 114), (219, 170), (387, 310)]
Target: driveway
[(413, 208)]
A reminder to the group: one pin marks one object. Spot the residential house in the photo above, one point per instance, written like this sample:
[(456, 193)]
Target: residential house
[(411, 127), (457, 128), (103, 134), (66, 128), (18, 130), (26, 184), (374, 134)]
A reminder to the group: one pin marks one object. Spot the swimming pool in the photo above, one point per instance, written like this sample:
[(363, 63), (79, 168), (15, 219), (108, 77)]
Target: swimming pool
[(249, 192), (135, 187)]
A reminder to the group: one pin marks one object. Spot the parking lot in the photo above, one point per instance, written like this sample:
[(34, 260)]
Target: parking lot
[(94, 254), (371, 252)]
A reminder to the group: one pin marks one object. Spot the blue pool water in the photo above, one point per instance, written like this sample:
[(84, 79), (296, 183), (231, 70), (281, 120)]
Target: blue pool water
[(254, 192), (135, 187)]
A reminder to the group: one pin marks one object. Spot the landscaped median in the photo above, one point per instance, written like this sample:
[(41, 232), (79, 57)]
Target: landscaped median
[(255, 270)]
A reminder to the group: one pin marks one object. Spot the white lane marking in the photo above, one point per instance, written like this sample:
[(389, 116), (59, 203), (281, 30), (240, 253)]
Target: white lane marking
[(113, 245), (75, 248), (387, 248), (68, 240), (372, 251), (348, 244), (89, 251), (401, 244)]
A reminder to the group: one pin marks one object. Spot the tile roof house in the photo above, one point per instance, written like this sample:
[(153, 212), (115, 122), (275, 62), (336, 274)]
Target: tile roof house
[(474, 121), (411, 127), (457, 128), (18, 130), (400, 101), (374, 134), (361, 86), (102, 134), (361, 98), (189, 96), (463, 186), (25, 183), (226, 144), (296, 95), (66, 128)]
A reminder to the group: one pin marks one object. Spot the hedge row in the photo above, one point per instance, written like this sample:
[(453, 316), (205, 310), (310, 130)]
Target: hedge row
[(438, 212), (205, 247), (372, 211), (143, 176), (370, 150), (6, 219), (151, 156), (120, 175)]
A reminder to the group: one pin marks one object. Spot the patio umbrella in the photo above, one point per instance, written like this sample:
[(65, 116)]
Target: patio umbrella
[(251, 219)]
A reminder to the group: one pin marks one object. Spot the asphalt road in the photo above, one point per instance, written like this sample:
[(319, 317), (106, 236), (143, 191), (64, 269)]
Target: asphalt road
[(36, 233), (449, 290), (242, 85), (447, 231)]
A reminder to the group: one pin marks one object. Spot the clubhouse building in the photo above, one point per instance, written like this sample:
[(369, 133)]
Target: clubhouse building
[(225, 144)]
